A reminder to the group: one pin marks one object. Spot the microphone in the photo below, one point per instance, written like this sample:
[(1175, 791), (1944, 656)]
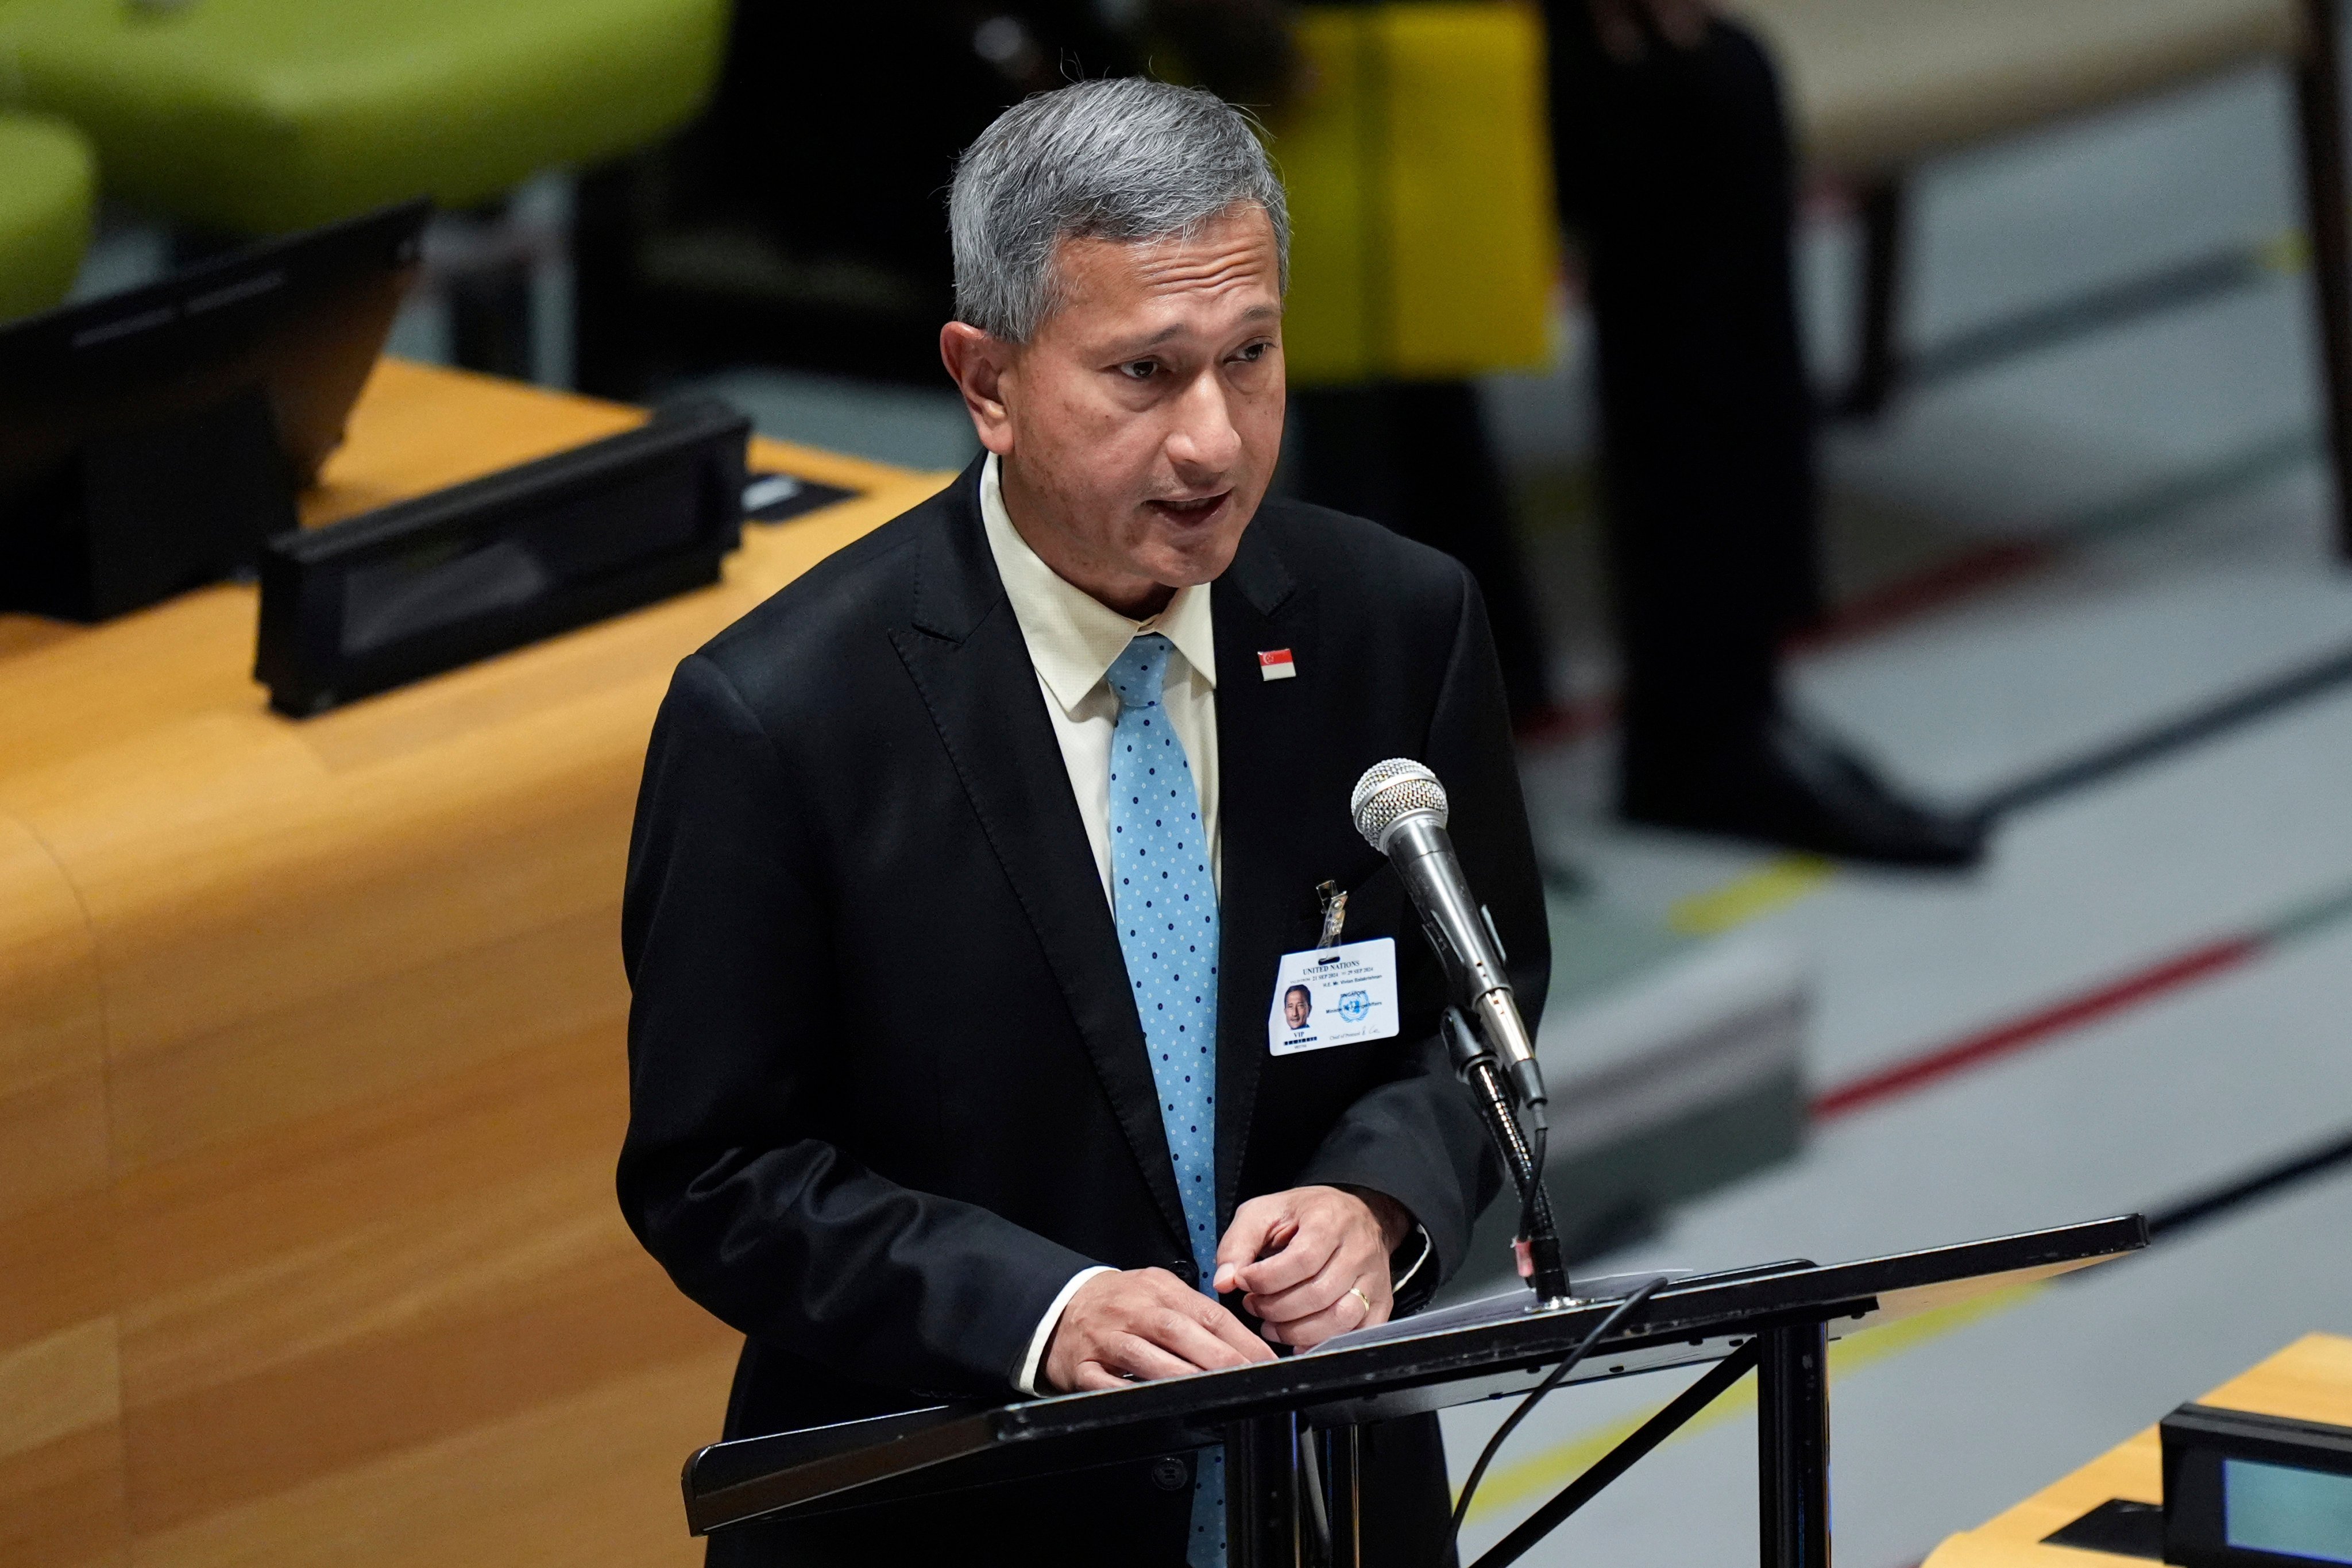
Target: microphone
[(1401, 809)]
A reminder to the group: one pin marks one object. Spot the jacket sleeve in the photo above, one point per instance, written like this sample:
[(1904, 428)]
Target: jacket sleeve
[(1416, 1136), (726, 1175)]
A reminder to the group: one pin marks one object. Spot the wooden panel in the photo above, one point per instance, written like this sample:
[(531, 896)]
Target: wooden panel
[(52, 1034), (502, 1279), (2310, 1379), (61, 1501), (591, 1480), (324, 1021), (61, 1469)]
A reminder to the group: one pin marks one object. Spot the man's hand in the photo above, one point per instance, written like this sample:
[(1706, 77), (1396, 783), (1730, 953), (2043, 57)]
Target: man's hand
[(1314, 1260), (1626, 25), (1142, 1323)]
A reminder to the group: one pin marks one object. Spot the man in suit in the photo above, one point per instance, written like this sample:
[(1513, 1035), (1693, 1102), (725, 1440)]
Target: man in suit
[(963, 869)]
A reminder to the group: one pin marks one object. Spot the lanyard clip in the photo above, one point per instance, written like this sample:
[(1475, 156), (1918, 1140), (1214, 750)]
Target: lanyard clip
[(1335, 913)]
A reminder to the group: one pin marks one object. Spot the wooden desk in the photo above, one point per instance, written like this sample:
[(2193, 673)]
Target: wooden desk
[(311, 1070), (2311, 1379)]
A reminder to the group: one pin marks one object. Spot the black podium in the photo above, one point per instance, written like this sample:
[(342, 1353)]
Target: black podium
[(1289, 1426)]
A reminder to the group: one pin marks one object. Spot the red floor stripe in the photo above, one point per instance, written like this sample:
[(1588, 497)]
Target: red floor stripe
[(1563, 723), (2003, 1039), (1889, 605), (1931, 589)]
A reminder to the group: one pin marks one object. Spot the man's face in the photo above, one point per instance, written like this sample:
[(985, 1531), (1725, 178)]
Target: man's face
[(1294, 1008), (1139, 427)]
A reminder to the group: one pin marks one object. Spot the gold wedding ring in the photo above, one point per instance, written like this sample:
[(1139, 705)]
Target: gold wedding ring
[(1358, 1292)]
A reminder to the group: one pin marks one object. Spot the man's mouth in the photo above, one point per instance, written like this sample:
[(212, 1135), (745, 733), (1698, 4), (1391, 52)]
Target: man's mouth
[(1197, 508)]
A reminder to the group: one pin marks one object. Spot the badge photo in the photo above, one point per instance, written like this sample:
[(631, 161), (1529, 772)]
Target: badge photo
[(1328, 996)]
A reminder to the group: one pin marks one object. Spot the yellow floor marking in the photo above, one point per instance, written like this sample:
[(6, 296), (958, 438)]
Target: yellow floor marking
[(2285, 253), (1547, 1472), (1783, 880)]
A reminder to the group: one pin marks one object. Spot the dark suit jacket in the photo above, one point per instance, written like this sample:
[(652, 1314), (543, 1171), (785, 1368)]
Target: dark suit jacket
[(888, 1091)]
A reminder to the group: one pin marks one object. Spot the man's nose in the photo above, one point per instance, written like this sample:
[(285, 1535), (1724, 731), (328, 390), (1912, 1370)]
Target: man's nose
[(1204, 443)]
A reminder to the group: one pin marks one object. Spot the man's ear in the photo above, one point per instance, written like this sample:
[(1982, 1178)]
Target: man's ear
[(982, 367)]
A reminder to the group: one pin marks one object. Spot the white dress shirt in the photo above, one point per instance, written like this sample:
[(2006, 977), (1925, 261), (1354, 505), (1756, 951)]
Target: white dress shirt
[(1074, 638)]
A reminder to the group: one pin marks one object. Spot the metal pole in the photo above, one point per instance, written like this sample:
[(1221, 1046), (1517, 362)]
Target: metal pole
[(1792, 1446), (1879, 361), (1262, 1526), (1478, 1070), (2319, 103), (1353, 1505), (1341, 1462)]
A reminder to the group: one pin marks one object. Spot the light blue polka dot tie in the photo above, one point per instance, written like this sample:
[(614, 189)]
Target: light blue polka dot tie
[(1164, 896)]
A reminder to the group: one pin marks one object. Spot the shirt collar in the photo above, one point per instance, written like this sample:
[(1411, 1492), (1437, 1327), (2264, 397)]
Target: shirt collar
[(1074, 638)]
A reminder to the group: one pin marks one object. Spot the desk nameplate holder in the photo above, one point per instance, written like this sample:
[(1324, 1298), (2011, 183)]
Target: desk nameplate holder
[(410, 590)]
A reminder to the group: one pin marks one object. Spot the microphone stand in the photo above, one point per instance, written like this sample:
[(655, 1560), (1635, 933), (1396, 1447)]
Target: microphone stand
[(1541, 1261)]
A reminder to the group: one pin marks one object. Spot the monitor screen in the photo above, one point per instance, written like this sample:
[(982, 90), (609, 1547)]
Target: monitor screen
[(125, 418), (2286, 1509)]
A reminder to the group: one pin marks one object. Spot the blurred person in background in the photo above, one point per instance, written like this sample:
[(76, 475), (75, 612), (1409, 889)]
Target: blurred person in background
[(1672, 164), (834, 128)]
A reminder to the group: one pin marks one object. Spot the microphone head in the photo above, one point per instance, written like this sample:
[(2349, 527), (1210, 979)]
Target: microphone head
[(1391, 791)]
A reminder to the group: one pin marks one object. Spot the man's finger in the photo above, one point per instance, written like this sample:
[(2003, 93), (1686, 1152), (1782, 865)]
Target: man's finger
[(1253, 1225), (1093, 1375), (1309, 1331), (1217, 1322), (1303, 1256), (1133, 1352), (1309, 1296), (1194, 1327), (1256, 1229), (1212, 1319), (1232, 1331), (1196, 1342)]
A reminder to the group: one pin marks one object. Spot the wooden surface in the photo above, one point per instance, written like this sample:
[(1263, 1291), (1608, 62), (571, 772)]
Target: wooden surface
[(2311, 1380), (311, 1070)]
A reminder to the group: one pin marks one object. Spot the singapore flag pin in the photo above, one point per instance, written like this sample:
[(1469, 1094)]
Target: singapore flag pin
[(1274, 664)]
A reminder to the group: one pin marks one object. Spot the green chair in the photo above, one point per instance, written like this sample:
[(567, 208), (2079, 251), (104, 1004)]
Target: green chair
[(263, 116), (47, 176), (252, 117)]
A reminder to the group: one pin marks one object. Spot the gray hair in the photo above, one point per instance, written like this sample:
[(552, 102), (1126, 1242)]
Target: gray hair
[(1125, 159)]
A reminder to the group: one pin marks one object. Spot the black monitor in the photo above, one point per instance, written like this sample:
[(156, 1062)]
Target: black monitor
[(151, 439)]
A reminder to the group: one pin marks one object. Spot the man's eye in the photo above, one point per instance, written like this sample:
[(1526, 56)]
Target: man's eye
[(1253, 354), (1139, 369)]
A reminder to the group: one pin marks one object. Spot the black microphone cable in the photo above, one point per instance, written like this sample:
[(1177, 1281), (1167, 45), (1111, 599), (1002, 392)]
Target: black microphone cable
[(1538, 1151), (1559, 1374)]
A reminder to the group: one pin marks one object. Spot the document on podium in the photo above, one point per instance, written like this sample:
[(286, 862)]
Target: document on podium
[(1509, 1306)]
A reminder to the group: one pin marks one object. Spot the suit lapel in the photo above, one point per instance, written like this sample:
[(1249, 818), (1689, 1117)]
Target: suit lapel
[(1262, 781), (968, 658)]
